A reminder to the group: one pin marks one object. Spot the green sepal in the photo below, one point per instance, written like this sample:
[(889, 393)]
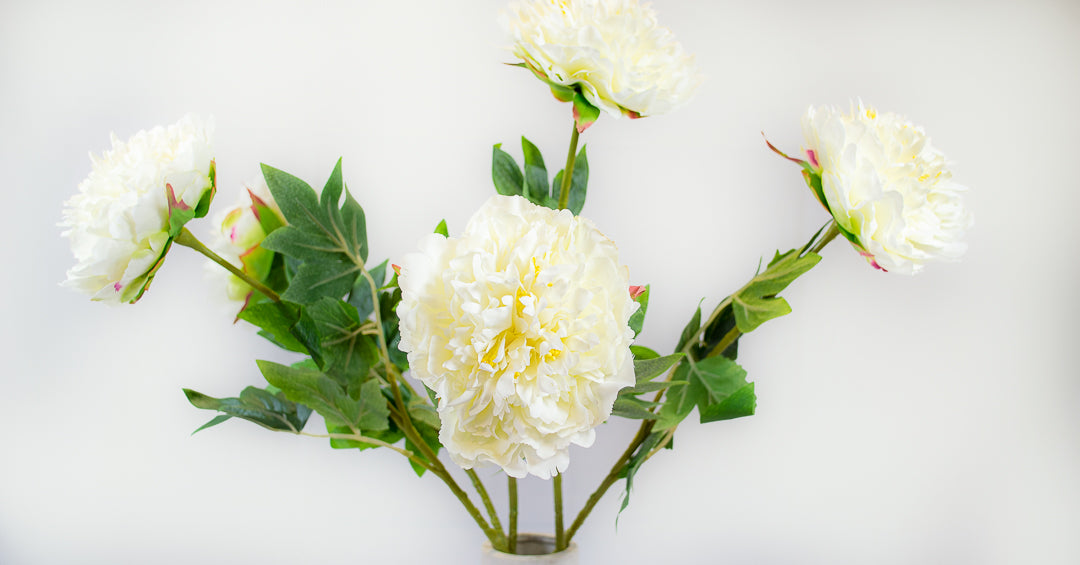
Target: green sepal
[(578, 184), (441, 229), (757, 303), (202, 207), (585, 114), (505, 173), (270, 410), (637, 319)]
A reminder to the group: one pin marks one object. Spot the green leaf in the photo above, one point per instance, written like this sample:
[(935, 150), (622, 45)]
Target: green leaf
[(360, 295), (719, 379), (348, 353), (536, 178), (578, 184), (277, 321), (679, 402), (742, 402), (326, 396), (633, 408), (646, 370), (691, 328), (757, 303), (330, 241), (642, 352), (441, 229), (633, 465), (269, 410), (505, 173), (637, 319), (213, 422)]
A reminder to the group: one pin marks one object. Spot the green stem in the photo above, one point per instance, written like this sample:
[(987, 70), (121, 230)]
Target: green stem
[(560, 534), (830, 235), (482, 491), (512, 535), (568, 171), (187, 239), (647, 425)]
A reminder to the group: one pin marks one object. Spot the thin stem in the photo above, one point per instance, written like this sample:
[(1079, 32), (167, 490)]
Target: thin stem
[(568, 170), (834, 231), (364, 439), (512, 535), (482, 491), (187, 239), (647, 425), (560, 534)]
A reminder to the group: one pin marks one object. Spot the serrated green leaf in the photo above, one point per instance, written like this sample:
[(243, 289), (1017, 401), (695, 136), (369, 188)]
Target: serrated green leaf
[(329, 240), (328, 398), (637, 319), (536, 177), (261, 407), (578, 184), (505, 173), (757, 303)]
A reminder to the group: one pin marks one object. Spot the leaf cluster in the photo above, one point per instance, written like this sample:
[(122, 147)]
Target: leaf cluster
[(532, 181), (341, 315)]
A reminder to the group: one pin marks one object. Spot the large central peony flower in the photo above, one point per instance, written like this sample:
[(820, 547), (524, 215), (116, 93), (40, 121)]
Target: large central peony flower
[(520, 328), (613, 51), (890, 191)]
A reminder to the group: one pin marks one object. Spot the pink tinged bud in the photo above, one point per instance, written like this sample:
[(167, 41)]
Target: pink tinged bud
[(117, 287), (635, 291), (397, 269), (813, 158)]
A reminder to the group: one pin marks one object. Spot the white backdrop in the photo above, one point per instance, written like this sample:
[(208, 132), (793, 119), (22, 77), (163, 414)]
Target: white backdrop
[(900, 420)]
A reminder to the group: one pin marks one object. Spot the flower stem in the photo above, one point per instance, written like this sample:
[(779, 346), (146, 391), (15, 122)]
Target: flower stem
[(647, 425), (560, 534), (512, 494), (568, 171), (830, 235), (482, 491), (187, 239)]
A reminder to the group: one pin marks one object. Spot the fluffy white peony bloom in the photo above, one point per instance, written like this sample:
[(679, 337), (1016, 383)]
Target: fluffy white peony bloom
[(614, 51), (136, 199), (520, 328), (242, 228), (889, 190)]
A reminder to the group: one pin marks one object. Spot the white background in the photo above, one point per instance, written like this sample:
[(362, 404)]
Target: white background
[(900, 420)]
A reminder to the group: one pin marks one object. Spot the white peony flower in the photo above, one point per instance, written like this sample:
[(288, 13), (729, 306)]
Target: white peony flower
[(520, 328), (136, 199), (613, 51), (242, 228), (890, 191)]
